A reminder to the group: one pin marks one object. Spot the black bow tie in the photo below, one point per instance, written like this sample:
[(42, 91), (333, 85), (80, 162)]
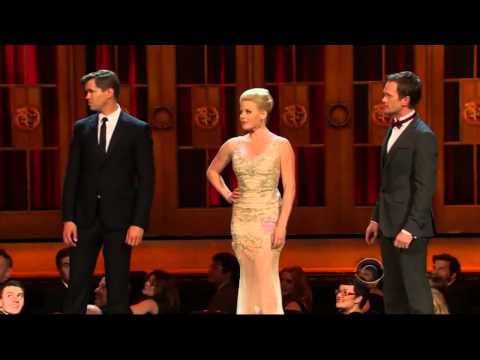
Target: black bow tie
[(398, 123)]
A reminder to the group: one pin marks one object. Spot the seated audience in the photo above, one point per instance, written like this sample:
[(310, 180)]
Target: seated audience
[(56, 295), (370, 274), (296, 291), (446, 277), (100, 302), (440, 306), (224, 274), (351, 297), (6, 265), (12, 297), (160, 295)]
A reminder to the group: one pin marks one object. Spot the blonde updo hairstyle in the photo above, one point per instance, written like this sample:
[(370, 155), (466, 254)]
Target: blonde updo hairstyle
[(261, 97)]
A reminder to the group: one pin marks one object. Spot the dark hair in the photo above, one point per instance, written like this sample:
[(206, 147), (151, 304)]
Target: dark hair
[(62, 253), (165, 291), (104, 79), (5, 255), (302, 292), (453, 263), (229, 264), (359, 289), (408, 84), (10, 283)]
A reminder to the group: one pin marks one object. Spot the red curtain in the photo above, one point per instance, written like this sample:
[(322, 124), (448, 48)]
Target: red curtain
[(368, 169), (214, 198), (31, 78), (4, 140), (316, 114), (31, 67), (12, 193), (14, 177), (451, 130), (45, 189), (184, 114), (310, 175), (374, 67), (14, 58), (21, 67), (399, 58), (132, 80), (44, 166), (280, 54), (310, 162), (459, 174), (367, 160), (45, 179), (280, 70), (372, 174), (367, 175), (223, 109), (450, 175), (104, 57), (3, 189)]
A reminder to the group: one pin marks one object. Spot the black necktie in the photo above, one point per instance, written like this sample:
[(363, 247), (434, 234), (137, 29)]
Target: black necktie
[(103, 135), (398, 123)]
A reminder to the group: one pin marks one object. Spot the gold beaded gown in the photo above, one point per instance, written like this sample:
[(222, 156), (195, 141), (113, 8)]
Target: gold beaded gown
[(254, 216)]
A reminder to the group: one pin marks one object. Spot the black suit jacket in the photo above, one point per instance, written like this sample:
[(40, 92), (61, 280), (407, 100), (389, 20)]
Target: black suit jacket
[(458, 298), (224, 300), (123, 177), (54, 298), (407, 182)]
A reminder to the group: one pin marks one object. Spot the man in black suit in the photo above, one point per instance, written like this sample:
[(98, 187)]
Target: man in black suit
[(107, 194), (447, 277), (6, 264), (402, 216), (224, 273), (56, 294)]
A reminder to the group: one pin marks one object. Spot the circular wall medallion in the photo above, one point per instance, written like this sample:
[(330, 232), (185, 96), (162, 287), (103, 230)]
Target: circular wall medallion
[(162, 118), (338, 115)]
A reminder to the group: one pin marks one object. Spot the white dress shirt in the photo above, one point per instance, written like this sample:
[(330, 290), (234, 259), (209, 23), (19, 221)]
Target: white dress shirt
[(111, 123), (396, 132)]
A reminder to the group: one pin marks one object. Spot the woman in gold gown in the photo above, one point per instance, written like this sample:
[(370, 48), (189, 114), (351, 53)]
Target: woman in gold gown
[(259, 216)]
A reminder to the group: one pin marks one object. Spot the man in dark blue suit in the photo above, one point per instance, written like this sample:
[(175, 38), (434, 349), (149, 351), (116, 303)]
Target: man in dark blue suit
[(107, 194)]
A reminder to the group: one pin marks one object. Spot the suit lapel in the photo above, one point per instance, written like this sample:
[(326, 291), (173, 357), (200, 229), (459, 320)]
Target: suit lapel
[(117, 134), (383, 152), (405, 135), (93, 137)]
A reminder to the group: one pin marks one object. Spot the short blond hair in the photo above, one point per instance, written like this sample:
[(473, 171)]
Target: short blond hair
[(440, 306), (259, 96)]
